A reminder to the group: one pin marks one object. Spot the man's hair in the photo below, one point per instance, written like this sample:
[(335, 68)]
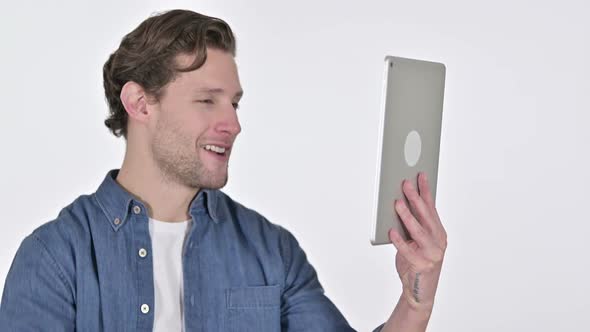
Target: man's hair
[(147, 56)]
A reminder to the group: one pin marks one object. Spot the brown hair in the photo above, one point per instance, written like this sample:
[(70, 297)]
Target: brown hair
[(147, 56)]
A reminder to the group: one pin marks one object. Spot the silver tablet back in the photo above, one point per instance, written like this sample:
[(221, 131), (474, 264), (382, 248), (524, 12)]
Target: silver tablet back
[(409, 136)]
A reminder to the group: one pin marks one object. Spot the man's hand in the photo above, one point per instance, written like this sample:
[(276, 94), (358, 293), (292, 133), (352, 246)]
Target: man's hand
[(418, 261)]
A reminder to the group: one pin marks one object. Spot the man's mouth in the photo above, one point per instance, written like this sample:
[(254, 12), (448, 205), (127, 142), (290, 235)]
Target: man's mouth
[(220, 152)]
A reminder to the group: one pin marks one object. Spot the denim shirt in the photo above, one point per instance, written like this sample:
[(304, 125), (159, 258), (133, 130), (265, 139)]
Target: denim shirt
[(90, 269)]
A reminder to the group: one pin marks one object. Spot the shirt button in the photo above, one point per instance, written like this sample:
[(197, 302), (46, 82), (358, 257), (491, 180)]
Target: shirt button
[(117, 221), (136, 209), (145, 308), (142, 253)]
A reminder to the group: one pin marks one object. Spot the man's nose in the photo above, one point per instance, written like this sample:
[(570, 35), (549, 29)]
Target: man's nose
[(229, 123)]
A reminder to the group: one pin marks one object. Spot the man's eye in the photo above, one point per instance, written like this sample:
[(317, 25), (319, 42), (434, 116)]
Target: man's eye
[(206, 101), (236, 106)]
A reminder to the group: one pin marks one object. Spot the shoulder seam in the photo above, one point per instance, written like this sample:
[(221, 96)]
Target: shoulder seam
[(284, 247), (59, 269)]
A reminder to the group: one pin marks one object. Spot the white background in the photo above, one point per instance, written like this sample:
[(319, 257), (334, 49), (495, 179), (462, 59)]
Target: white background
[(513, 175)]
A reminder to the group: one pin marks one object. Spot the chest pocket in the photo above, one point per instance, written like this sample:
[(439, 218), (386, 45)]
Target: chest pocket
[(256, 309)]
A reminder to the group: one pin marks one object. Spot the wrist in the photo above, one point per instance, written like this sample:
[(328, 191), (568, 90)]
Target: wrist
[(408, 317), (409, 304)]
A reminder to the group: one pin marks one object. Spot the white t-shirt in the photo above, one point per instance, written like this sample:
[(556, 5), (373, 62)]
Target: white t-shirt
[(167, 243)]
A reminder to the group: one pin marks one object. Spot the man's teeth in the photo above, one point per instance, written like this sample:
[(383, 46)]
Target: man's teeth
[(215, 148)]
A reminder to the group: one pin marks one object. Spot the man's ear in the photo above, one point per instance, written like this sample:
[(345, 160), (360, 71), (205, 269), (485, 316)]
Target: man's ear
[(134, 99)]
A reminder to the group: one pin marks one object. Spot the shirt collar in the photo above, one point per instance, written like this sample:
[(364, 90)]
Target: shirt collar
[(116, 202)]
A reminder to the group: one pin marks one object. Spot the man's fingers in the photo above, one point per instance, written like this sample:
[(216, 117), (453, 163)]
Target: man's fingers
[(423, 211), (425, 192), (417, 232), (405, 250), (437, 227)]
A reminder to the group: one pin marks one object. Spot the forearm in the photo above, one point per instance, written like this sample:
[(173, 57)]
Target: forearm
[(407, 317), (418, 261)]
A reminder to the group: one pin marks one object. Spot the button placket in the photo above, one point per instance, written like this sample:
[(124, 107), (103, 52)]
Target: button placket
[(145, 284)]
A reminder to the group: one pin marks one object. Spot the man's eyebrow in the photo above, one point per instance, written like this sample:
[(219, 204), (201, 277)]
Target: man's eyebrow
[(239, 94)]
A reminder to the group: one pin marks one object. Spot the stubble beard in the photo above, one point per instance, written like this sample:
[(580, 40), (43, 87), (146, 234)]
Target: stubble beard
[(179, 161)]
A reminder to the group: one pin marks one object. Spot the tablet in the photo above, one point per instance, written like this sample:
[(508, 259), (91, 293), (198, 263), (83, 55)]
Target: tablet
[(409, 137)]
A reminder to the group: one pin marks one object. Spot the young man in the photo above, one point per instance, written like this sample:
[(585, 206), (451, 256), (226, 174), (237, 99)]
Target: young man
[(158, 247)]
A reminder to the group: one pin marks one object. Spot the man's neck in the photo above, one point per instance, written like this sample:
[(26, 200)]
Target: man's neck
[(165, 199)]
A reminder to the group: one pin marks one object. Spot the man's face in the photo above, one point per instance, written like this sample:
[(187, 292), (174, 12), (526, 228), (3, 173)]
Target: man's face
[(195, 122)]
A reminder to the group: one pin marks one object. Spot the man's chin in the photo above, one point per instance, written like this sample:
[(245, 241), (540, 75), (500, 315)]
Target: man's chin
[(214, 186), (214, 183)]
